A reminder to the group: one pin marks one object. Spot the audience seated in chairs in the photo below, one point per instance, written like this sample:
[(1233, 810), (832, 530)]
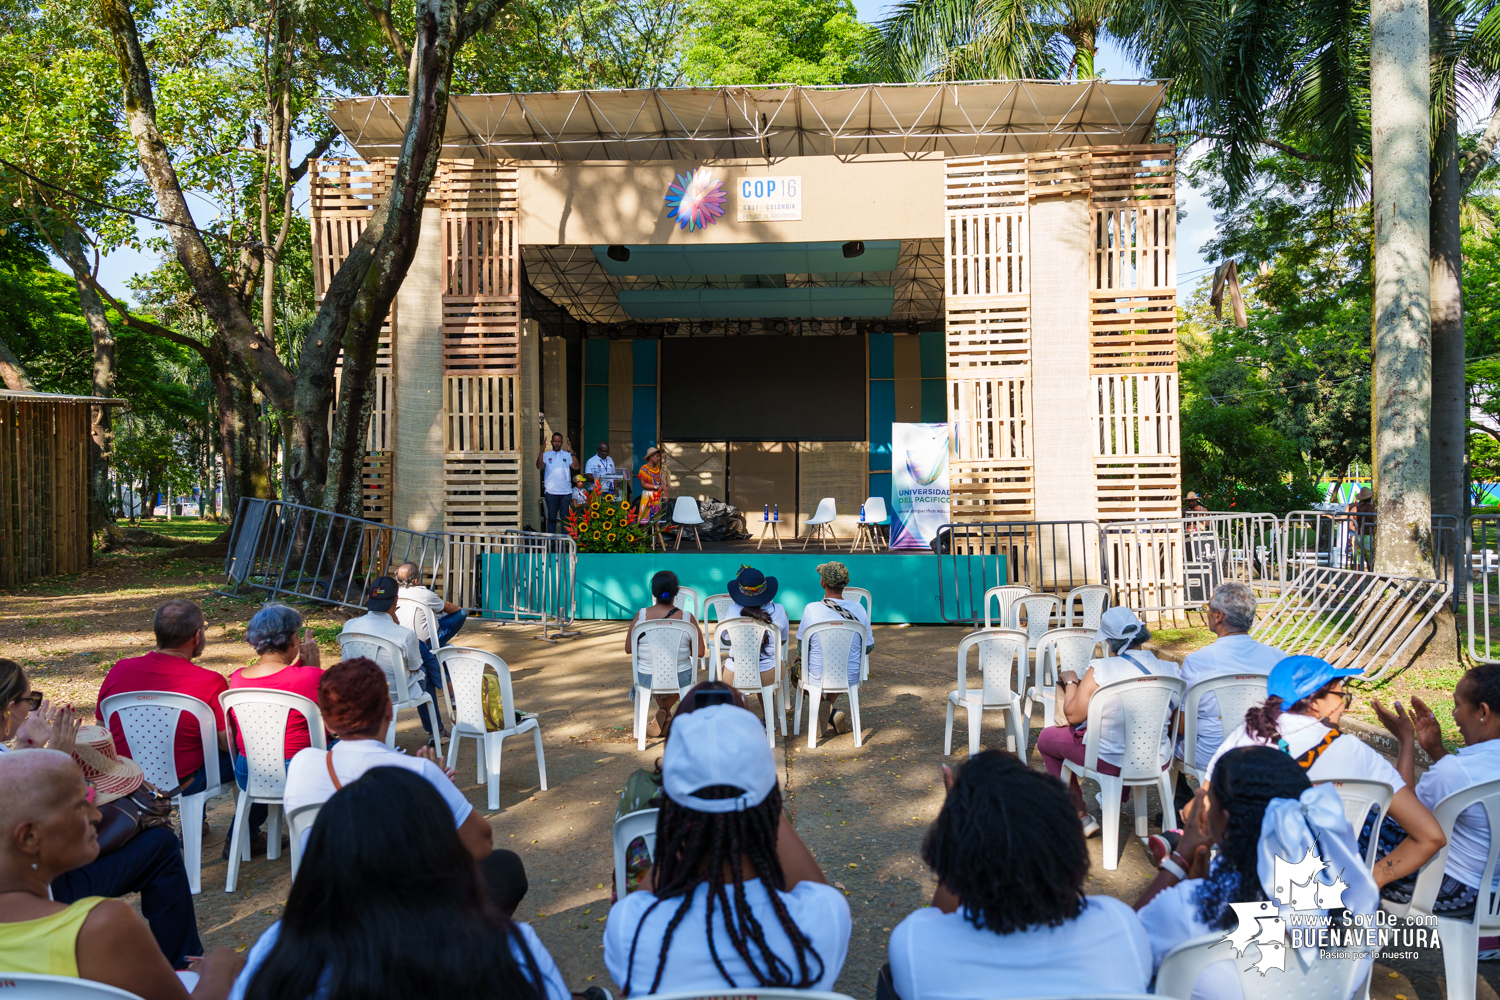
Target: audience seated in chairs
[(49, 829), (1306, 699), (389, 904), (1123, 634), (664, 588), (180, 639), (380, 620), (834, 576), (1476, 762), (449, 616), (290, 663), (734, 899), (1010, 918), (1259, 805), (754, 597)]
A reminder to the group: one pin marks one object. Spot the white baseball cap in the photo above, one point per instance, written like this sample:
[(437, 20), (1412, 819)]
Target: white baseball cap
[(1119, 623), (718, 745)]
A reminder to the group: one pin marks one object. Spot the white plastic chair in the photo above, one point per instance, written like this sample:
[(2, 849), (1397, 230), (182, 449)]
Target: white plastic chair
[(719, 604), (424, 612), (834, 647), (1359, 796), (260, 715), (1460, 938), (687, 599), (1043, 613), (685, 515), (463, 669), (821, 524), (867, 532), (1093, 601), (864, 597), (746, 637), (1058, 650), (641, 823), (1145, 703), (1000, 650), (299, 822), (1236, 694), (150, 720), (353, 644), (1007, 595), (1322, 979), (34, 986), (654, 645)]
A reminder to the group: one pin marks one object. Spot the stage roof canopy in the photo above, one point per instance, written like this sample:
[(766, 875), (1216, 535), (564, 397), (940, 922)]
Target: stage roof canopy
[(953, 119)]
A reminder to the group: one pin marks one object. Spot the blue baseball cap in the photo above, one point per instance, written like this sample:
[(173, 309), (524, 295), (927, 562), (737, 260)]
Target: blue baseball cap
[(1298, 677)]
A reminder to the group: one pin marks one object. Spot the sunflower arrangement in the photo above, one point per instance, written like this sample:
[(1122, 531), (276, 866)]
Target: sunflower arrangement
[(604, 524)]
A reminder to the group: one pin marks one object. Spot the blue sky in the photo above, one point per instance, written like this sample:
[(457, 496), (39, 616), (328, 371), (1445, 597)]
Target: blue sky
[(1195, 229)]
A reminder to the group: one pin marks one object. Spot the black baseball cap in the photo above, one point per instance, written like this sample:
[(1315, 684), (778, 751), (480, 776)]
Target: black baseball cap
[(382, 594)]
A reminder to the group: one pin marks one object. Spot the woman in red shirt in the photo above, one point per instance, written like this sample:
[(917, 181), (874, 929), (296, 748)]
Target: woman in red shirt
[(285, 664)]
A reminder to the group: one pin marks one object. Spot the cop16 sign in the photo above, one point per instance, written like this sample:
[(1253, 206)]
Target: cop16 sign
[(768, 199)]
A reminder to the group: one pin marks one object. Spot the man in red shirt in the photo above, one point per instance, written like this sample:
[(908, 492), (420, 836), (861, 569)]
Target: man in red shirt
[(169, 667)]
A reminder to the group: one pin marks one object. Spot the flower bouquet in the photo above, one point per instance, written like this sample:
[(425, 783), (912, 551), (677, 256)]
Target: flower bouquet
[(604, 524)]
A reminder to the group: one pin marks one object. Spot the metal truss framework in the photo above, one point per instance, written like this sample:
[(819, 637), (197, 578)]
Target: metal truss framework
[(950, 119)]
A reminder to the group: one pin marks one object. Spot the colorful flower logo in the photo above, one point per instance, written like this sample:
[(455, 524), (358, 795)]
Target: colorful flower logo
[(696, 199)]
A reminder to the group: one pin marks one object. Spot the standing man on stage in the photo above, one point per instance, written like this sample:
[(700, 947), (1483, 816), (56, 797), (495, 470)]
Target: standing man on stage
[(557, 468), (600, 464)]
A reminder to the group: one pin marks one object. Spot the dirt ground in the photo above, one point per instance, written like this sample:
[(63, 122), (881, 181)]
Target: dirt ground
[(861, 810)]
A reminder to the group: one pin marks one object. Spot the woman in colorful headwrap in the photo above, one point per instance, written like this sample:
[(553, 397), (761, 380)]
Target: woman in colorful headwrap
[(653, 477)]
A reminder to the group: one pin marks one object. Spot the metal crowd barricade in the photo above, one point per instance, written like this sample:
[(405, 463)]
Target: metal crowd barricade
[(1482, 584), (1346, 540), (1350, 617), (1047, 556), (1162, 566), (289, 550)]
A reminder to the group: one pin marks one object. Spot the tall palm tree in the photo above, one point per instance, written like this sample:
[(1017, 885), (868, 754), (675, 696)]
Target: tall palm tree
[(993, 39)]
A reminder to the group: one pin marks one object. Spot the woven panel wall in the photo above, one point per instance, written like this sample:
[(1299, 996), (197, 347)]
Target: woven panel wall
[(837, 469), (696, 469)]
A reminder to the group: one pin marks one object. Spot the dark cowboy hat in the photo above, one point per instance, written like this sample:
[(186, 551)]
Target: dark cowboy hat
[(752, 588)]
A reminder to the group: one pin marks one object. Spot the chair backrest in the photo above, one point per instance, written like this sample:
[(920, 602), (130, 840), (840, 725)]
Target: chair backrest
[(654, 646), (1093, 600), (301, 819), (1040, 611), (685, 511), (864, 597), (1000, 649), (719, 604), (875, 512), (687, 599), (1359, 796), (1236, 695), (641, 823), (149, 720), (1333, 978), (836, 641), (1144, 705), (260, 716), (423, 620), (1006, 595), (1069, 649), (1430, 879), (825, 512), (354, 644), (746, 639), (32, 986), (779, 993), (463, 666)]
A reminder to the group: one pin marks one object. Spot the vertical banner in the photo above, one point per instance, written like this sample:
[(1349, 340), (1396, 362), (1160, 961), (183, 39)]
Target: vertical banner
[(919, 483)]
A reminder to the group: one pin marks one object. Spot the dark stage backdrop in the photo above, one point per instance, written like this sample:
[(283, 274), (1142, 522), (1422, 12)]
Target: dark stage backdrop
[(763, 389)]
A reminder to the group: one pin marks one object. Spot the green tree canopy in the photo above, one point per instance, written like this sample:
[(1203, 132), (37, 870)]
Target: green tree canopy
[(807, 42)]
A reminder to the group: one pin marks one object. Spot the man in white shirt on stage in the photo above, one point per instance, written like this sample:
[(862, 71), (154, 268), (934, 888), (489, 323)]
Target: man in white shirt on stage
[(557, 466), (598, 465)]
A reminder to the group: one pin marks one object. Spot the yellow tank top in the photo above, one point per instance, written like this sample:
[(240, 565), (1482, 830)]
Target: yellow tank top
[(47, 946)]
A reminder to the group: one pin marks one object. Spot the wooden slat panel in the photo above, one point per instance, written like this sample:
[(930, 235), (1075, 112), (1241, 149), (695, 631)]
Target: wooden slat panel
[(482, 413), (1133, 332), (481, 335), (1057, 174), (375, 485), (973, 183), (1140, 175), (992, 416), (994, 490), (1135, 415), (44, 489), (985, 334), (1134, 247), (480, 256), (481, 493), (482, 186), (989, 252), (1131, 490)]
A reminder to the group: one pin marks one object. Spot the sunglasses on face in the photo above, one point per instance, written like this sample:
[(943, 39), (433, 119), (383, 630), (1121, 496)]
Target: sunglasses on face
[(34, 700), (1346, 696)]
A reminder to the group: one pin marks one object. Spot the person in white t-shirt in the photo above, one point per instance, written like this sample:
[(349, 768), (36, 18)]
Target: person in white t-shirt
[(557, 467), (707, 917), (380, 620), (834, 576), (1010, 918), (1259, 807), (753, 595), (1231, 612), (1476, 762), (600, 464), (1305, 701), (1122, 634)]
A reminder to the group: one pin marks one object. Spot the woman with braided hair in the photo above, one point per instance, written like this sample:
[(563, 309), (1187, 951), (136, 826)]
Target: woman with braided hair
[(734, 898), (1259, 806)]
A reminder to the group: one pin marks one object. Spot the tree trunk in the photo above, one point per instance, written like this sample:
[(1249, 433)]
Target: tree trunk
[(101, 428), (242, 443), (1399, 60), (1449, 429), (11, 371)]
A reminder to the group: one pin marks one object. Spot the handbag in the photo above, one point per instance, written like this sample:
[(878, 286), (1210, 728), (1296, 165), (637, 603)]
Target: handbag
[(143, 809)]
